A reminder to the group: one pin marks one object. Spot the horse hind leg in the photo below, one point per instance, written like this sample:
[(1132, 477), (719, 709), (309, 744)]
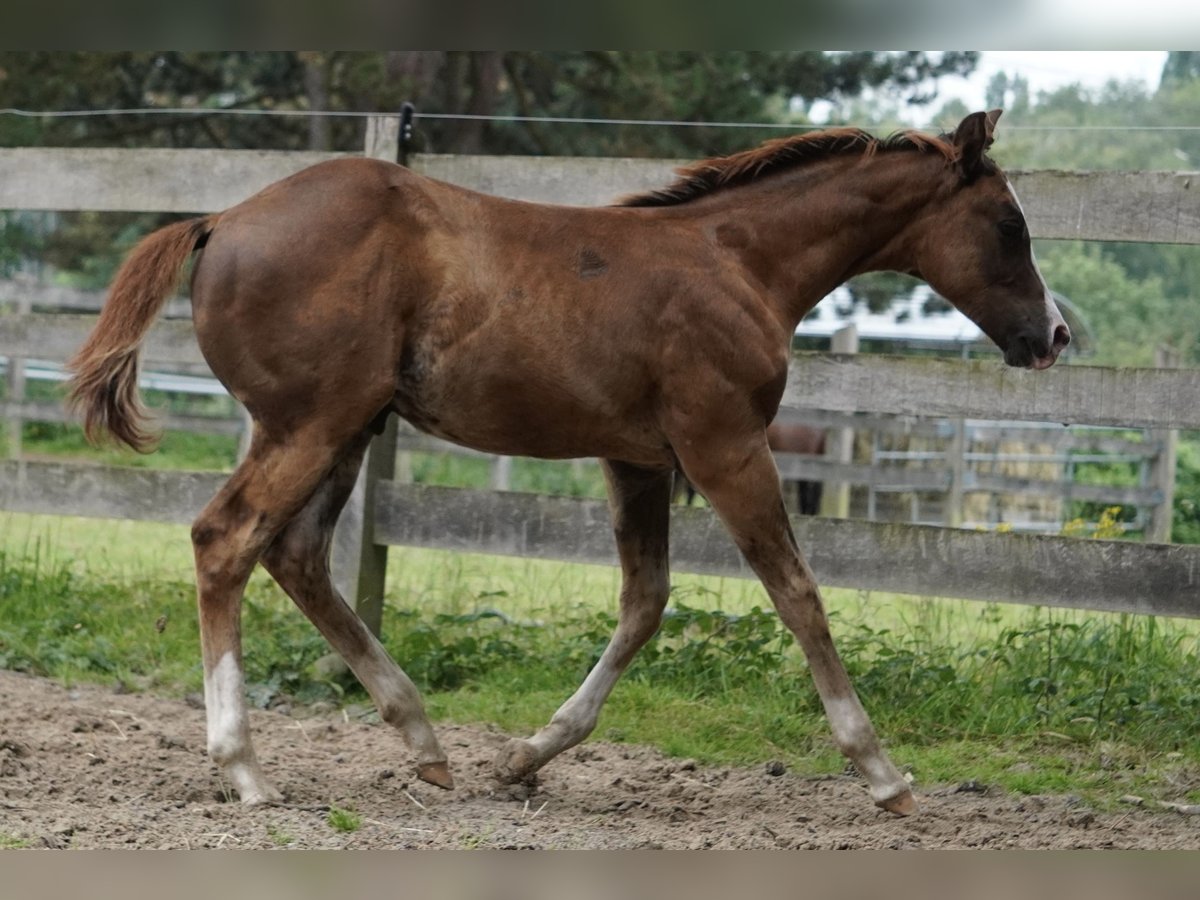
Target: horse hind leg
[(298, 560), (742, 484), (640, 501), (265, 491)]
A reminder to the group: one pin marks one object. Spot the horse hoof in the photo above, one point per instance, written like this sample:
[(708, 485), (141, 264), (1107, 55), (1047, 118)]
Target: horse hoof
[(262, 795), (515, 762), (903, 804), (437, 774)]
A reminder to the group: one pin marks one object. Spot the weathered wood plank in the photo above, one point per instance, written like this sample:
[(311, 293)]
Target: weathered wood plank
[(157, 180), (1096, 206), (56, 337), (1110, 206), (58, 298), (853, 383), (797, 467), (979, 389), (1155, 207), (572, 180), (1114, 576), (106, 492), (794, 467)]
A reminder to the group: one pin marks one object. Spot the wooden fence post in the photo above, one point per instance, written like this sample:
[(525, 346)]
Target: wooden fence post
[(501, 473), (839, 446), (358, 564), (14, 422), (1162, 467), (952, 512)]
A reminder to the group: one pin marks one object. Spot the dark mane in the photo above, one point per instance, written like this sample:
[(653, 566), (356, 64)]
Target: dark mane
[(707, 176)]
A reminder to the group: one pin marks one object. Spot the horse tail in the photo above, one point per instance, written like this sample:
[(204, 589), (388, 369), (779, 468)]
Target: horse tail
[(104, 383)]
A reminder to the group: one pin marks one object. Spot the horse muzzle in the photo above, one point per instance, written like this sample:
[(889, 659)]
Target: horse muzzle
[(1029, 352)]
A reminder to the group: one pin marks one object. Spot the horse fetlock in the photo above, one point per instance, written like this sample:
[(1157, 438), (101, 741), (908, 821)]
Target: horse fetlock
[(852, 729), (226, 750), (857, 743)]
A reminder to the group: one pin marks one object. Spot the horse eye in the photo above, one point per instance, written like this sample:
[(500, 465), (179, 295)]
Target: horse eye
[(1011, 227)]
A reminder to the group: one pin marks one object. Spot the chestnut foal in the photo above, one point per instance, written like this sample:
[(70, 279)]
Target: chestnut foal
[(653, 334)]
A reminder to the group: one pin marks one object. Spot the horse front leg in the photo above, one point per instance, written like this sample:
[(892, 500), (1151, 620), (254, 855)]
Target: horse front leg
[(640, 502), (741, 482)]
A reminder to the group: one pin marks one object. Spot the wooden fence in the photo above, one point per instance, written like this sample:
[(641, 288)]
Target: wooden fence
[(947, 473), (1118, 576)]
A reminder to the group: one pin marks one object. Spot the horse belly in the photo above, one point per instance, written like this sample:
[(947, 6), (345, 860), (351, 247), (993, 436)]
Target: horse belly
[(519, 407)]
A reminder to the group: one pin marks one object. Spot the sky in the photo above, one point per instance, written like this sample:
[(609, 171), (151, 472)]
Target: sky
[(1048, 69)]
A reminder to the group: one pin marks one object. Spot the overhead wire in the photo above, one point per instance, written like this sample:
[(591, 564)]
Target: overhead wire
[(476, 117)]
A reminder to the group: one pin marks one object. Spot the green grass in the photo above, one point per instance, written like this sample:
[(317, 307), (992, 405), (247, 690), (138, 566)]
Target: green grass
[(1030, 699), (344, 820), (178, 450), (280, 836)]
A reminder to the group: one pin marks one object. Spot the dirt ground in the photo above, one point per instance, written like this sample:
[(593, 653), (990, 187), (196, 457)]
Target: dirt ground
[(89, 767)]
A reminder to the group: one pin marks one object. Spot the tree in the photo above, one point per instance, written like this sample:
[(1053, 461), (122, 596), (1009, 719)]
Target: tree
[(1181, 66), (672, 85), (1130, 316), (692, 86)]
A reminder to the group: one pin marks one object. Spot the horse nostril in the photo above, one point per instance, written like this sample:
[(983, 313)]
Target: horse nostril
[(1062, 336)]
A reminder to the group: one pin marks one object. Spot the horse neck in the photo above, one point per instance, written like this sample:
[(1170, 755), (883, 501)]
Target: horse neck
[(801, 233)]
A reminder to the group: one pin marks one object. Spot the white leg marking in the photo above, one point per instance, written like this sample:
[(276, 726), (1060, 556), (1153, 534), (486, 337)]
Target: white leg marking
[(224, 708), (398, 701), (854, 735), (229, 732)]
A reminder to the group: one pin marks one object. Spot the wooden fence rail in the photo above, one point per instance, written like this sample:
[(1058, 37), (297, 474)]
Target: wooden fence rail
[(844, 383), (1157, 207), (1146, 578), (1113, 576)]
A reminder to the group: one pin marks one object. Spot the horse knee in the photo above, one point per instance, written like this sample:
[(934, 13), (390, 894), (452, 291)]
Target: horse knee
[(214, 561)]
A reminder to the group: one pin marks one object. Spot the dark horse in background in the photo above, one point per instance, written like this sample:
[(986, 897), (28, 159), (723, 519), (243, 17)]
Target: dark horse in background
[(782, 437), (653, 334)]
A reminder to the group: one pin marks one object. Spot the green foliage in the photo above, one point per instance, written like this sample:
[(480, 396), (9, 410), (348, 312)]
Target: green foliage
[(344, 820), (178, 449), (960, 690), (55, 622), (676, 85), (748, 86), (446, 651), (279, 836), (1186, 522), (1129, 316), (536, 476)]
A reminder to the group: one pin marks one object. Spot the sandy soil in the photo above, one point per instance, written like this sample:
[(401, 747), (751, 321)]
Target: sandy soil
[(88, 767)]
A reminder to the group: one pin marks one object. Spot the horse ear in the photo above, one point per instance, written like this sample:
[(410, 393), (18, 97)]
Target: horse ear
[(972, 138)]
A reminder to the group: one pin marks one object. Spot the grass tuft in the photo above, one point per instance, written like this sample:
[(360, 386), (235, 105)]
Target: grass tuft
[(344, 820)]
